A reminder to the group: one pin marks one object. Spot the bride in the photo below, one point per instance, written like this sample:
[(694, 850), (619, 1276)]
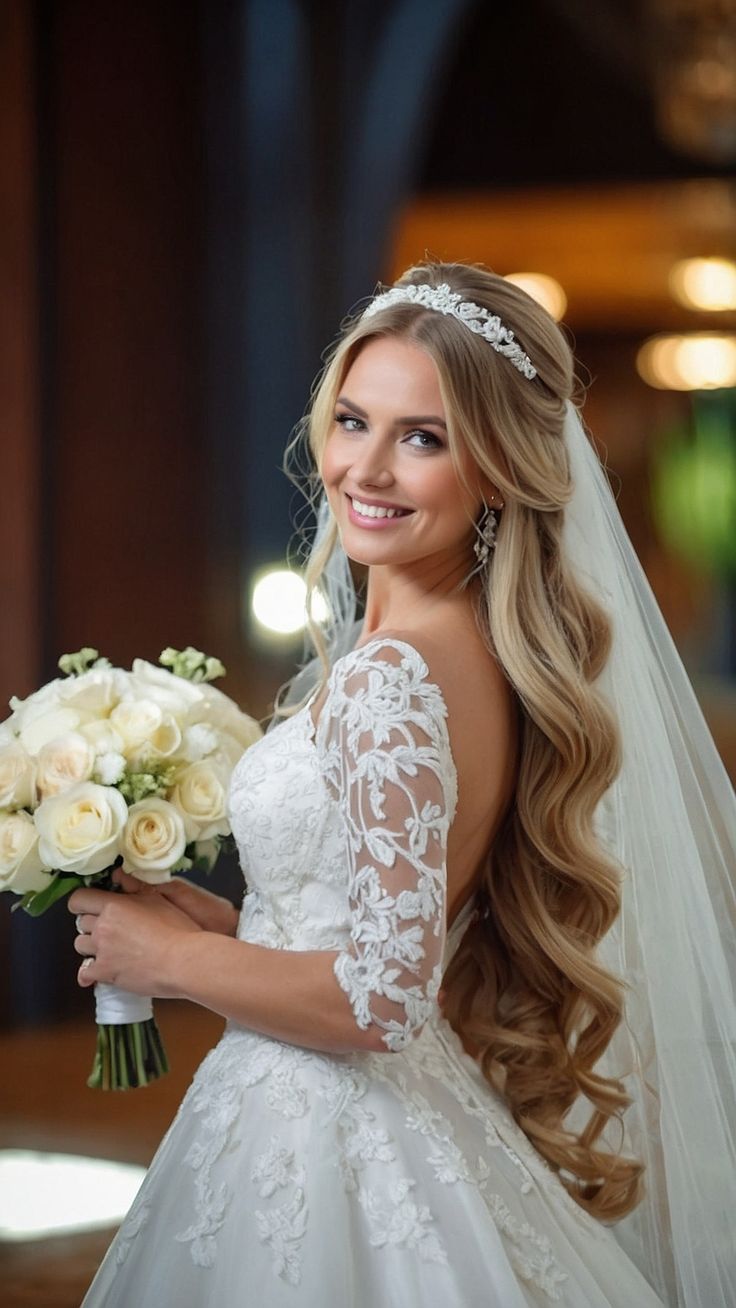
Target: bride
[(480, 1028)]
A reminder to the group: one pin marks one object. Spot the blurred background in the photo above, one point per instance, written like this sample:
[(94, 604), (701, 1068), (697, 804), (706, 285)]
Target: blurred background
[(193, 193)]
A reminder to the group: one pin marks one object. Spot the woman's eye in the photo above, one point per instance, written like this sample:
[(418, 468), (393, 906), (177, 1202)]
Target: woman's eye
[(432, 441), (343, 419)]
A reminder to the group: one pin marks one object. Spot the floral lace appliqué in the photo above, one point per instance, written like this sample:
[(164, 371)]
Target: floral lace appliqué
[(386, 760)]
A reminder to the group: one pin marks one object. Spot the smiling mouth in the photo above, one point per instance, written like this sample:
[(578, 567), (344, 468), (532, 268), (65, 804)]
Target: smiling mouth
[(374, 511)]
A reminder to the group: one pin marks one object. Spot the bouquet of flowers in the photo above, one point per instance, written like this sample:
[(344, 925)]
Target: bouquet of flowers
[(105, 768)]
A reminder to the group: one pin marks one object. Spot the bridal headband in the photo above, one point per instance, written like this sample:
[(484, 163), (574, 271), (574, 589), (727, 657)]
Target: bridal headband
[(444, 300)]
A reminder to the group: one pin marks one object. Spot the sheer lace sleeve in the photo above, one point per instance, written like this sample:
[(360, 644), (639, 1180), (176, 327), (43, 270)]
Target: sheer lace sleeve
[(387, 762)]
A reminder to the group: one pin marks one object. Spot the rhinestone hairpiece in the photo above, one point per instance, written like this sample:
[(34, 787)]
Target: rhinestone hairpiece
[(444, 300)]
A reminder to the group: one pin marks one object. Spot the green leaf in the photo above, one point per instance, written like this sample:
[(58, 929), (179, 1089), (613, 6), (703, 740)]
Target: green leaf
[(43, 899)]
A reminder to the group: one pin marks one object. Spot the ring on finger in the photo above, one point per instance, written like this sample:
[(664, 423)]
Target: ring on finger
[(78, 924)]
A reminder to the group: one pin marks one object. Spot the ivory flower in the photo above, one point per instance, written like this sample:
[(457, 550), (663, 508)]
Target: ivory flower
[(63, 762), (38, 729), (21, 866), (135, 721), (171, 693), (81, 829), (200, 795), (154, 840), (102, 736), (222, 713), (17, 776)]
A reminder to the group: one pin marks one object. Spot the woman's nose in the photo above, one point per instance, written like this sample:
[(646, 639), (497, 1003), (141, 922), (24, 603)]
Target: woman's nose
[(373, 466)]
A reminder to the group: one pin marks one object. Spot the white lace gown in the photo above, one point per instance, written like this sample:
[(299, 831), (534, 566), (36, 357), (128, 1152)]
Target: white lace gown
[(294, 1177)]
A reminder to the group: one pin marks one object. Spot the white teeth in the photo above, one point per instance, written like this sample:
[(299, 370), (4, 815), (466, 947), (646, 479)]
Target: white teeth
[(372, 511)]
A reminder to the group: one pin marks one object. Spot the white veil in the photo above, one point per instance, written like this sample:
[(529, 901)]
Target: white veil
[(670, 821)]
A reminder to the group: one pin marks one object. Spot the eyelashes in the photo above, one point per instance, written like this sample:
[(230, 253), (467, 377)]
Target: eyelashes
[(342, 419)]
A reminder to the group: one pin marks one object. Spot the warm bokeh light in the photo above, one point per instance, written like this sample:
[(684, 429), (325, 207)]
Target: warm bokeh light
[(545, 290), (61, 1194), (704, 283), (279, 602), (700, 361)]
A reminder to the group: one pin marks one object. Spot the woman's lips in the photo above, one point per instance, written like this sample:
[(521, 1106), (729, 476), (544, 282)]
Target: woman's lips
[(372, 523)]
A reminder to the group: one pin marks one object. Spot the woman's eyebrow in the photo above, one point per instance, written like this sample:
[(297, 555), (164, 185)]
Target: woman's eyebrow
[(404, 422)]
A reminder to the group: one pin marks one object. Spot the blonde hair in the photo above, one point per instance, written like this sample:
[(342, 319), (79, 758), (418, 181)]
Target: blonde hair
[(525, 990)]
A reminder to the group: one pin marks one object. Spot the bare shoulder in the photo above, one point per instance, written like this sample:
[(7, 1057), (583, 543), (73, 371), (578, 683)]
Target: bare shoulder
[(481, 703)]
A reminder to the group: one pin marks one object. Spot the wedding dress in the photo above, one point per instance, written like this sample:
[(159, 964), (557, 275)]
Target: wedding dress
[(295, 1177)]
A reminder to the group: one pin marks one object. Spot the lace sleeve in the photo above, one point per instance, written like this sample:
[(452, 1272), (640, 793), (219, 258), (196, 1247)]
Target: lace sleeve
[(388, 764)]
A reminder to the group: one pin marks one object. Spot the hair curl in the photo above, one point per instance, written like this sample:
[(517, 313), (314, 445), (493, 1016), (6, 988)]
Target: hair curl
[(524, 990)]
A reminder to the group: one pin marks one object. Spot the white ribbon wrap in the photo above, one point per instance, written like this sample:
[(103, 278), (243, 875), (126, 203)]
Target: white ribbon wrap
[(116, 1007)]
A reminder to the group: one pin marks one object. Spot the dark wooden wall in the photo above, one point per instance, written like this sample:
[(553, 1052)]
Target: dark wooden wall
[(105, 497)]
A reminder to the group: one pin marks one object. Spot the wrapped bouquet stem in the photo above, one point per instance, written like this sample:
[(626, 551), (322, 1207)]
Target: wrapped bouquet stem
[(130, 1051), (106, 768)]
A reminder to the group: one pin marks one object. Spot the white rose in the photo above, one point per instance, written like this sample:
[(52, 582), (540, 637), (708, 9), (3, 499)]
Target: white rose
[(7, 730), (174, 694), (153, 841), (103, 738), (135, 720), (36, 704), (38, 729), (81, 829), (200, 795), (96, 691), (17, 776), (222, 713), (63, 762), (21, 866)]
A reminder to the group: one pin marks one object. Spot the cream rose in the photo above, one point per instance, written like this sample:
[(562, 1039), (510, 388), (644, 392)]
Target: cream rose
[(81, 829), (21, 866), (173, 694), (102, 737), (222, 713), (96, 691), (37, 730), (200, 795), (64, 762), (17, 777), (154, 840), (144, 727)]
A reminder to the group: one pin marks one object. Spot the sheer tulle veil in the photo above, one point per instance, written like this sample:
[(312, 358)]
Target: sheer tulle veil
[(670, 821)]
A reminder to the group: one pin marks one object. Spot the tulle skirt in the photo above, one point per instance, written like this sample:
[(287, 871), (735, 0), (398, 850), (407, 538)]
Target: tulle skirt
[(292, 1177)]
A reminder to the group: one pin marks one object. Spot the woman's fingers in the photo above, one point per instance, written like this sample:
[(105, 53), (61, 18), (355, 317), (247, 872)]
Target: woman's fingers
[(130, 884), (88, 900), (83, 945), (85, 974)]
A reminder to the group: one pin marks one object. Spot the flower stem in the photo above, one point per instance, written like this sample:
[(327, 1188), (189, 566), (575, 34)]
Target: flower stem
[(128, 1056)]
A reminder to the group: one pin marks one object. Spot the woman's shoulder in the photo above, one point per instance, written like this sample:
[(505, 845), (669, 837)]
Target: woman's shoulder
[(481, 704), (454, 655)]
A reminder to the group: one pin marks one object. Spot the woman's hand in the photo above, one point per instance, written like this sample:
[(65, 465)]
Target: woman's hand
[(128, 940), (210, 912)]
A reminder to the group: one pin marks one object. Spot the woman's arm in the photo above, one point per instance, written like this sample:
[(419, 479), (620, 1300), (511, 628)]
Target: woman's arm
[(144, 944), (385, 757)]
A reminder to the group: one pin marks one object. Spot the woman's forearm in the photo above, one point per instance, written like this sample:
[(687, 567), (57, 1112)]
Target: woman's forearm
[(288, 994)]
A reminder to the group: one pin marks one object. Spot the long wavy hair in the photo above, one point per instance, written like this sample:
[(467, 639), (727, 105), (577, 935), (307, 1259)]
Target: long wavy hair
[(524, 990)]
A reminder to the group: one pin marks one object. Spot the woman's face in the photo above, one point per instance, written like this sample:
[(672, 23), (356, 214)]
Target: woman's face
[(388, 450)]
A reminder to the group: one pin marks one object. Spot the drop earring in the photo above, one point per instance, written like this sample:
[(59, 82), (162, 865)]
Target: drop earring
[(486, 538)]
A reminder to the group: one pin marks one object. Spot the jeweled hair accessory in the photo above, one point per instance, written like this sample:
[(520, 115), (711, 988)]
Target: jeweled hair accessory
[(444, 300)]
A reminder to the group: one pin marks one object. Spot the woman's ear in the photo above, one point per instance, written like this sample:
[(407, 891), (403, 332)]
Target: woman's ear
[(489, 492)]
